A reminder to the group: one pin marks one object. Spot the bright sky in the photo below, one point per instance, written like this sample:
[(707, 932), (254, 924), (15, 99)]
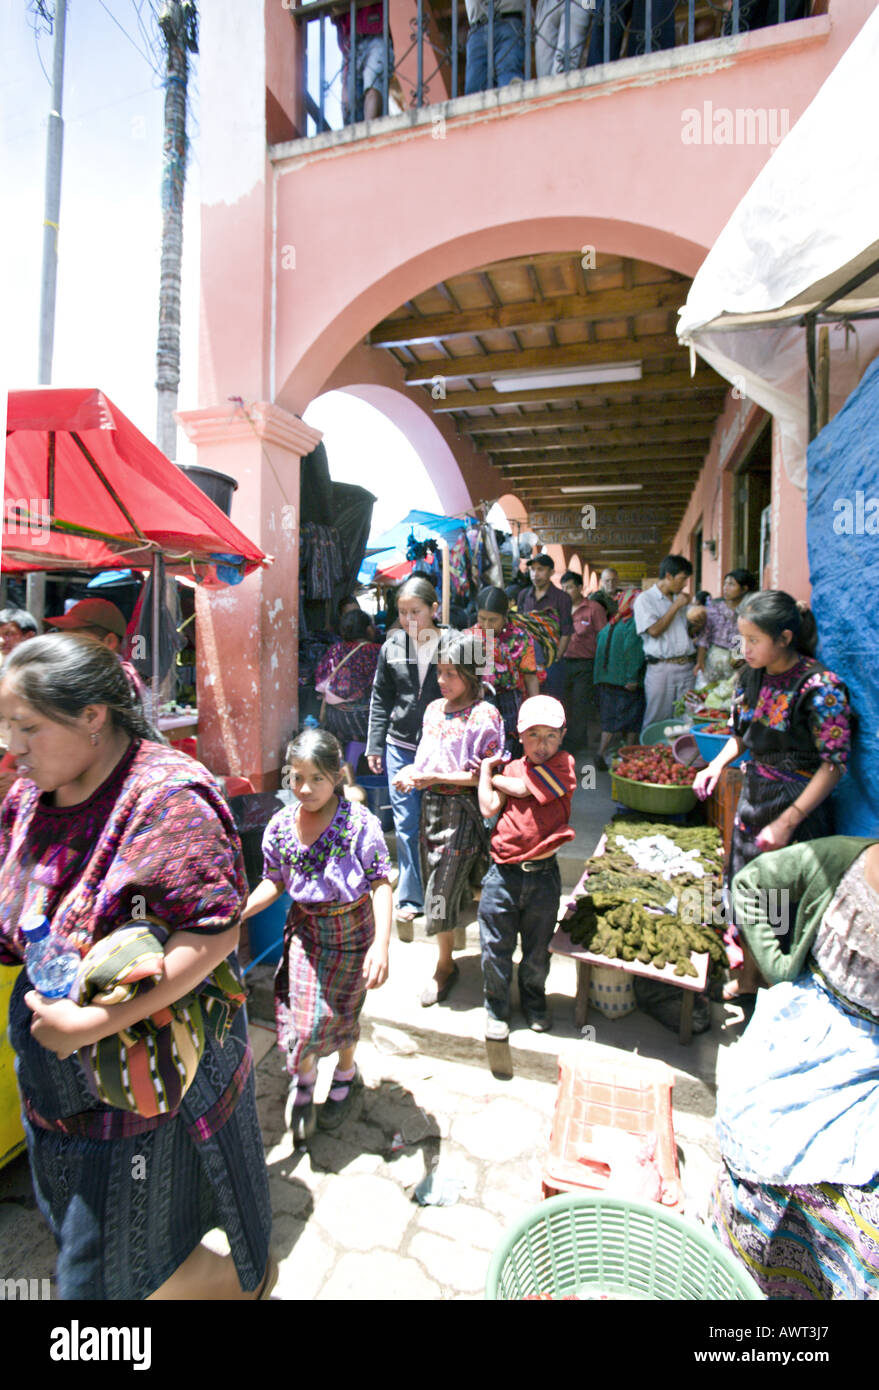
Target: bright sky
[(108, 272)]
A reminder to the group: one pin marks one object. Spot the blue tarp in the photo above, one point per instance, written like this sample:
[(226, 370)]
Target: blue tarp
[(393, 543), (843, 540)]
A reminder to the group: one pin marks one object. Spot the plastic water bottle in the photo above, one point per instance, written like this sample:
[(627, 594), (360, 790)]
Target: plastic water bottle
[(50, 963)]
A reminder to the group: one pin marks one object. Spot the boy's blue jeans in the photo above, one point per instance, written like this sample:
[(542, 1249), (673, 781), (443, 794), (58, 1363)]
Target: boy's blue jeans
[(515, 903)]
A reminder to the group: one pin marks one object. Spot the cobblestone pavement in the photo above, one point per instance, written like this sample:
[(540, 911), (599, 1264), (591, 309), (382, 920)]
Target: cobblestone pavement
[(346, 1224)]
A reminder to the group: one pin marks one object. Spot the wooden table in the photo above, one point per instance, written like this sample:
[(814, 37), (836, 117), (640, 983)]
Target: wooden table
[(562, 945)]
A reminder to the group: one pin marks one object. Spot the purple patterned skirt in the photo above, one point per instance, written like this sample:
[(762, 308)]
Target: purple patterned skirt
[(813, 1242), (319, 985)]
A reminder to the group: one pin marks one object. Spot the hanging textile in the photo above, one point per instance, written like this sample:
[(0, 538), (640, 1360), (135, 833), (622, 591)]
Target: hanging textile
[(320, 563)]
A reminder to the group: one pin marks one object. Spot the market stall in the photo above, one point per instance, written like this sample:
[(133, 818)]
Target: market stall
[(459, 554), (786, 306), (644, 907), (85, 492)]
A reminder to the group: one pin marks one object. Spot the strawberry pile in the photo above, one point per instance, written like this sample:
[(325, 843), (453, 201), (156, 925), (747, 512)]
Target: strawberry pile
[(653, 763), (718, 728)]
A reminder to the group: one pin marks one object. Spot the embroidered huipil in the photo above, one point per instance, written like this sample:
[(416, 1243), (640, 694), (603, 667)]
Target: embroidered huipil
[(801, 718), (458, 741), (343, 864), (509, 655), (156, 837)]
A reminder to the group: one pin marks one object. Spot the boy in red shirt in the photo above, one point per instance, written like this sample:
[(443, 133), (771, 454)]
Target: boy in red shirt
[(521, 892)]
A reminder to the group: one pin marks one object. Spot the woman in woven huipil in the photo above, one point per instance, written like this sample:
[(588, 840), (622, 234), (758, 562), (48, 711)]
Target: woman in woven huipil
[(104, 826), (797, 1199), (793, 716)]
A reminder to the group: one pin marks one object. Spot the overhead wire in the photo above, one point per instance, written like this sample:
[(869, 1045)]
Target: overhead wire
[(147, 57)]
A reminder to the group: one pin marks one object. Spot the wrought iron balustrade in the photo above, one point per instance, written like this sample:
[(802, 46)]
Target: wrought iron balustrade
[(558, 36)]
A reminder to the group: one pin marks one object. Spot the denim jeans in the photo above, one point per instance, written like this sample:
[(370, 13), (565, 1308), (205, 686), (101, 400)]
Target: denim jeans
[(514, 904), (509, 54), (632, 12), (407, 824)]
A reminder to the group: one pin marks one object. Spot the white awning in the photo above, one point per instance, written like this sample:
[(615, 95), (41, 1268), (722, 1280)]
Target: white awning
[(805, 228)]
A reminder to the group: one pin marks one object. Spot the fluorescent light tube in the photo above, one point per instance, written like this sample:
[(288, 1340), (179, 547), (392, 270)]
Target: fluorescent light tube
[(567, 376), (604, 487)]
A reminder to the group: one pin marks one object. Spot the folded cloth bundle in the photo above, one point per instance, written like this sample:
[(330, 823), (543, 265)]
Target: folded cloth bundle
[(150, 1066)]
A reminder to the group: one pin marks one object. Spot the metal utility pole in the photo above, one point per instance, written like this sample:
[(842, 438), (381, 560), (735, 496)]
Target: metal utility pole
[(54, 145), (178, 21)]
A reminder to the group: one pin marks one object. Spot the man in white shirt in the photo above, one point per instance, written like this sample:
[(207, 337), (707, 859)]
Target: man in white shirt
[(661, 622)]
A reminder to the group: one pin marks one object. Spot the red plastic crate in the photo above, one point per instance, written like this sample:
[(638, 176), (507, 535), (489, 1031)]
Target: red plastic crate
[(633, 1095)]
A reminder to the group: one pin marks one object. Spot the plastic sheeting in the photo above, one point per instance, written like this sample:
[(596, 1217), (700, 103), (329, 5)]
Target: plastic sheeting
[(843, 540), (807, 223)]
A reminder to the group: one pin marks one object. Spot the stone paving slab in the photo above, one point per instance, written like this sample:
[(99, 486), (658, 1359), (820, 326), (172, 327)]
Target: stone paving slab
[(346, 1225)]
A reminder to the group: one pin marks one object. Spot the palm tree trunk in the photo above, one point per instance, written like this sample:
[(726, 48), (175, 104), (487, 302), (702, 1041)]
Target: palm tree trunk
[(177, 22)]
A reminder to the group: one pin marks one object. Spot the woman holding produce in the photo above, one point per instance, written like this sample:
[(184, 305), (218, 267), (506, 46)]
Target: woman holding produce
[(793, 715), (718, 642)]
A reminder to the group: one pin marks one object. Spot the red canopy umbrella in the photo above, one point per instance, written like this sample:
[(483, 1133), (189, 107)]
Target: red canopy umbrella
[(394, 574), (85, 489)]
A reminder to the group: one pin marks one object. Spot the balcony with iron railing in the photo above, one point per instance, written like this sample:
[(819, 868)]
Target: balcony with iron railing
[(363, 59)]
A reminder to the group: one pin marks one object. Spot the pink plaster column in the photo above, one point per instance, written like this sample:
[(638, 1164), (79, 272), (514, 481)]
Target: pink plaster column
[(247, 636)]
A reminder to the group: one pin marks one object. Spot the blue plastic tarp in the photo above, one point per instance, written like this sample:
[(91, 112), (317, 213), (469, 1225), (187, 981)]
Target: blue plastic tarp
[(392, 543), (843, 541)]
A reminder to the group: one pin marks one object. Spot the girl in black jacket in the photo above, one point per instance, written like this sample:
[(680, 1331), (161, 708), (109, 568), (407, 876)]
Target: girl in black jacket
[(405, 683)]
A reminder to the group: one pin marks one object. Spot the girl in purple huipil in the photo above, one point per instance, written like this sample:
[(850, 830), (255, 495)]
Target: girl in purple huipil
[(459, 730), (330, 856)]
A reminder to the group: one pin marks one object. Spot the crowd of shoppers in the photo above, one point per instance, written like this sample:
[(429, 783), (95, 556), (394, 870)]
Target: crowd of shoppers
[(142, 824)]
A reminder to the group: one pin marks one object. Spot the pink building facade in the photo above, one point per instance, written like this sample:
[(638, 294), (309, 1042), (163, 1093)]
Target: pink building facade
[(308, 242)]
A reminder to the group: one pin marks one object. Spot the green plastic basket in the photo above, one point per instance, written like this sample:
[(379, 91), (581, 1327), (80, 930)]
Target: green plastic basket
[(655, 733), (591, 1245), (653, 797)]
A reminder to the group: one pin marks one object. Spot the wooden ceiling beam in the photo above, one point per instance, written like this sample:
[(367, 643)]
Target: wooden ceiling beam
[(631, 453), (680, 411), (654, 383), (567, 308), (655, 434), (543, 359)]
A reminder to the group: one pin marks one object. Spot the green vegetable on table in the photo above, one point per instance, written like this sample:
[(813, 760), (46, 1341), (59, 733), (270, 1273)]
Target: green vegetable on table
[(618, 916)]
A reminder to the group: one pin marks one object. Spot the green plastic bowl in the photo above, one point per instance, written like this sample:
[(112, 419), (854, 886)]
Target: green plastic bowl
[(654, 797), (592, 1245), (654, 733)]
